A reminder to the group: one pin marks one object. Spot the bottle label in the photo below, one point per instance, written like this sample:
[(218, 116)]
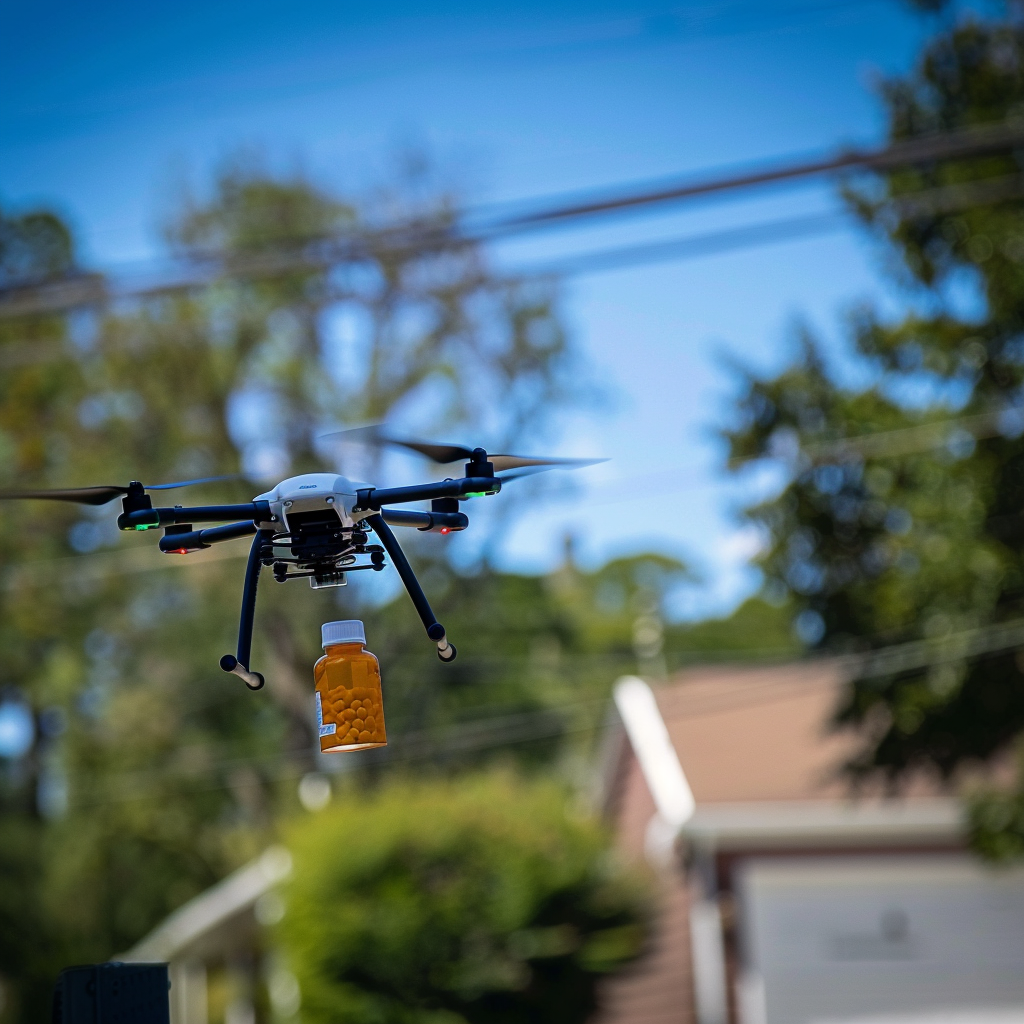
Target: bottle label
[(325, 730)]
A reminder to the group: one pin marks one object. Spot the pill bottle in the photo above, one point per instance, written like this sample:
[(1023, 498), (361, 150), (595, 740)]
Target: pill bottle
[(349, 704)]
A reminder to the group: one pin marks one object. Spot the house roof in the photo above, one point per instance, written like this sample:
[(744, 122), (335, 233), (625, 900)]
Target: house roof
[(738, 756), (754, 734), (204, 921), (735, 761)]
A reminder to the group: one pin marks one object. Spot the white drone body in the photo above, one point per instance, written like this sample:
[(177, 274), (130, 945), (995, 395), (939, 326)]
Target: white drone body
[(293, 529), (316, 492)]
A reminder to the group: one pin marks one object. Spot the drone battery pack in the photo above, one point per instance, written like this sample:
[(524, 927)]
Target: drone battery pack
[(112, 993)]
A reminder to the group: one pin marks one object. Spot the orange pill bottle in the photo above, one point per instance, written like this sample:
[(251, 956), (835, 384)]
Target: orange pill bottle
[(349, 703)]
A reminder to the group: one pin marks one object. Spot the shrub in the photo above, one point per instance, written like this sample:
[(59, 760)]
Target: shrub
[(447, 902)]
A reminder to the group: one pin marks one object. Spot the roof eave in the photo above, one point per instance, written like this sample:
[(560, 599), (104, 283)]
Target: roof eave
[(825, 823)]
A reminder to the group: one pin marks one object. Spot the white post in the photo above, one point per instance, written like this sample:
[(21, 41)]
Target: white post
[(708, 954), (188, 992)]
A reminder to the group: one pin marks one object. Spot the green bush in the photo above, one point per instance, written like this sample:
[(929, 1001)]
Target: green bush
[(447, 902)]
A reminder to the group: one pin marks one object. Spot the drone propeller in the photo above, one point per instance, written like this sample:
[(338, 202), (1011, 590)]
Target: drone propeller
[(102, 494), (445, 453), (518, 474)]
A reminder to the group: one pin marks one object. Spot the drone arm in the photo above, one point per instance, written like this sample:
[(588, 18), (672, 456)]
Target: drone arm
[(195, 540), (239, 664), (375, 497), (148, 518), (426, 522), (445, 650)]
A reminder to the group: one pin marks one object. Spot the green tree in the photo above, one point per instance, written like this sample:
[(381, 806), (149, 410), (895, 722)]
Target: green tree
[(757, 630), (901, 519), (481, 902), (154, 773), (35, 378)]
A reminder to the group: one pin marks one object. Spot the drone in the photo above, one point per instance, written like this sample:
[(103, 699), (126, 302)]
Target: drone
[(318, 526)]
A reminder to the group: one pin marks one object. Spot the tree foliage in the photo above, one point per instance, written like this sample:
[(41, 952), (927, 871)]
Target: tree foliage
[(480, 902), (152, 774), (901, 520)]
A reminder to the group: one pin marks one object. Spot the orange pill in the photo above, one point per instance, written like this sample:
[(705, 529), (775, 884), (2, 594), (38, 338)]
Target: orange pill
[(370, 723), (355, 705), (348, 714), (365, 737), (362, 713)]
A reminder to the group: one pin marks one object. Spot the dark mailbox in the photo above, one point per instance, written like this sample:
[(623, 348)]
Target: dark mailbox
[(112, 993)]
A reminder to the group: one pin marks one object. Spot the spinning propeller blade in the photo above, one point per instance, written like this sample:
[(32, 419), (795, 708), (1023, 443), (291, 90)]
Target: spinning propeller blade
[(81, 495), (518, 474), (190, 483), (102, 494), (372, 436), (446, 453)]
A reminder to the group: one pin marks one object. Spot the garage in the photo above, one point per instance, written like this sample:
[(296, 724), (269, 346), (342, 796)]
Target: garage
[(900, 937)]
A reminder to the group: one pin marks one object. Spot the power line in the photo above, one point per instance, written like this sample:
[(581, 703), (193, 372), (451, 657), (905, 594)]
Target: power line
[(927, 202), (1007, 421), (91, 288), (917, 654), (96, 566), (491, 732), (967, 142), (690, 247), (912, 440), (404, 749)]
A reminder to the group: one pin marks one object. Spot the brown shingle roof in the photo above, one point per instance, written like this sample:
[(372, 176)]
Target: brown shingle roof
[(748, 734)]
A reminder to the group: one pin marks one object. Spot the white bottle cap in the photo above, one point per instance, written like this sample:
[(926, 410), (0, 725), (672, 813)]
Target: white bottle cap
[(344, 631)]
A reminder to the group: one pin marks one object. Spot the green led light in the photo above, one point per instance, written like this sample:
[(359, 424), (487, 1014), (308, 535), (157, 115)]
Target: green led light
[(476, 494), (144, 526)]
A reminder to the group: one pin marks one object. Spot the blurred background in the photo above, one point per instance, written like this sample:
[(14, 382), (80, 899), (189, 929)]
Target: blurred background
[(733, 736)]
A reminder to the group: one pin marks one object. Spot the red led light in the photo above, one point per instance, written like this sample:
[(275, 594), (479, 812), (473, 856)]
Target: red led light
[(181, 551), (444, 529)]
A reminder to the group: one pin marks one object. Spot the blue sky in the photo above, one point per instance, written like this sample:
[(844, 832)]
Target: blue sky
[(108, 107)]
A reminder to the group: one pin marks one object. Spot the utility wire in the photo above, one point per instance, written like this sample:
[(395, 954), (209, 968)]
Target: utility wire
[(492, 732), (929, 202), (968, 142), (85, 289), (917, 654), (689, 247)]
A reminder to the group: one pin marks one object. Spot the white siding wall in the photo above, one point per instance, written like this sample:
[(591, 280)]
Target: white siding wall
[(837, 939)]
